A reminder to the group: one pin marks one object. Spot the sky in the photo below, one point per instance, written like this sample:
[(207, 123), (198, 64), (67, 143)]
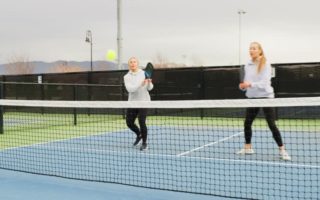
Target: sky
[(196, 33)]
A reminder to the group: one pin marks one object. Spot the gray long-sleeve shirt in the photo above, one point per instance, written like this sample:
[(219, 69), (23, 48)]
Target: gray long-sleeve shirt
[(133, 83), (260, 82)]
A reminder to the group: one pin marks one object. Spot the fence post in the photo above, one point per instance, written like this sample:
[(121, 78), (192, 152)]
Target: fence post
[(1, 109), (122, 99), (202, 90), (75, 109)]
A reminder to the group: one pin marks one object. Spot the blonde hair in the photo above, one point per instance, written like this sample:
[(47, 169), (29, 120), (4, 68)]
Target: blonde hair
[(262, 60), (133, 58)]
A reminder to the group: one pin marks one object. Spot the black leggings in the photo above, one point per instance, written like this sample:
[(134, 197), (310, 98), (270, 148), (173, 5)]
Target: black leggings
[(131, 116), (269, 113)]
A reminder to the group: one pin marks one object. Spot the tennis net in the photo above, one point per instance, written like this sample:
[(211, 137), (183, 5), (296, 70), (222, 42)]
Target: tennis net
[(192, 145)]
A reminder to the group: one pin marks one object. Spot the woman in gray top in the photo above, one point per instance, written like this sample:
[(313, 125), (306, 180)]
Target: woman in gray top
[(138, 88), (257, 84)]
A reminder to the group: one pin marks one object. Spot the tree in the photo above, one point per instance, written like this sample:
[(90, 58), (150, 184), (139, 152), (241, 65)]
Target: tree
[(19, 64), (161, 61), (64, 67), (196, 61), (105, 66)]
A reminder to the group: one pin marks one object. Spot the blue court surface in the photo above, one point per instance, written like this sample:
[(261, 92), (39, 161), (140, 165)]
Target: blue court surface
[(178, 161), (25, 186)]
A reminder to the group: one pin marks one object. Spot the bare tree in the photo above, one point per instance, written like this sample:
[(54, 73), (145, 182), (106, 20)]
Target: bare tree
[(104, 66), (64, 67), (19, 64), (161, 61), (196, 61)]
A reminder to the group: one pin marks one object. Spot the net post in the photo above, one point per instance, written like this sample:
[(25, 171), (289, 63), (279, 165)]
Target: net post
[(1, 108)]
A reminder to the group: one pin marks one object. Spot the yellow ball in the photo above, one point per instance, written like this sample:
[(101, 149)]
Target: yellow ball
[(111, 55)]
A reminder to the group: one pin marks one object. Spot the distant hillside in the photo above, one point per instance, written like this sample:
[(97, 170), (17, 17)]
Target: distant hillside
[(39, 67)]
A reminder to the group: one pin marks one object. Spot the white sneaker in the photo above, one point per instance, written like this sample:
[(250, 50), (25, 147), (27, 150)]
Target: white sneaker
[(284, 155), (245, 151)]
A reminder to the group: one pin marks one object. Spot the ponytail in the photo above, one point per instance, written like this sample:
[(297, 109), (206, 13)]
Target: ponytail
[(262, 59), (262, 63)]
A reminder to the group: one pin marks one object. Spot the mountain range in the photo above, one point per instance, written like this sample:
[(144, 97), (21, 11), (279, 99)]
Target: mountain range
[(40, 67)]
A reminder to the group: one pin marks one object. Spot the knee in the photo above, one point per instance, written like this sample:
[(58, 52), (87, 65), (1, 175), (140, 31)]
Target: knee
[(129, 122), (144, 129), (271, 124), (247, 123), (143, 126)]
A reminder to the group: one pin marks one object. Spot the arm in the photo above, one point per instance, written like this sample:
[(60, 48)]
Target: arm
[(265, 78), (263, 82), (131, 85), (149, 85), (244, 84)]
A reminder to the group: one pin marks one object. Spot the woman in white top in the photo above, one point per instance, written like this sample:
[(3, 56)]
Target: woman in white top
[(138, 88), (257, 84)]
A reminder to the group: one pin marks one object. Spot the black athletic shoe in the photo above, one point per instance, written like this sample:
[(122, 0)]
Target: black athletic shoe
[(137, 140), (143, 147)]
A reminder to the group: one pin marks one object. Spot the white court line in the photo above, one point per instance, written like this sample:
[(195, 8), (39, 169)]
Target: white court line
[(284, 163), (54, 141), (163, 155), (210, 144), (134, 152)]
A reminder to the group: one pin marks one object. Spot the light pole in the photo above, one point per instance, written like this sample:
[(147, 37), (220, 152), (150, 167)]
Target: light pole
[(240, 12), (89, 40), (119, 35)]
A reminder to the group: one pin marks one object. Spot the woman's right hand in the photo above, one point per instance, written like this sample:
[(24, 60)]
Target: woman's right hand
[(244, 85), (241, 86), (146, 81)]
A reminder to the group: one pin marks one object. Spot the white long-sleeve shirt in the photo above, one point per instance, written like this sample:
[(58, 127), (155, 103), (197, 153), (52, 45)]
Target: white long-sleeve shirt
[(260, 82), (133, 83)]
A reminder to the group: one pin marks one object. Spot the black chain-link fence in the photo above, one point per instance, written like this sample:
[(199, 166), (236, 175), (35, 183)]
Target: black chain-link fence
[(290, 80)]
